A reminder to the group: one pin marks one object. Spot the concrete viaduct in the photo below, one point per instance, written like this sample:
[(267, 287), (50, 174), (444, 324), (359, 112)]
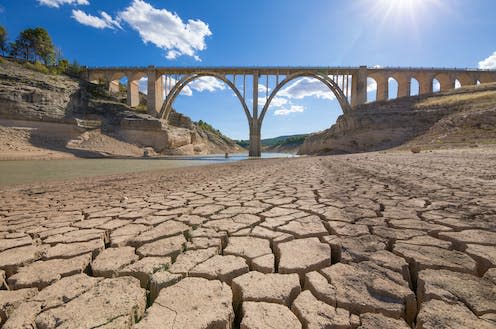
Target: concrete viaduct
[(349, 85)]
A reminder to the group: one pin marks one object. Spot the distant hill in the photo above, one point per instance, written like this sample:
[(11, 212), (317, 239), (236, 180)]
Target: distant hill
[(285, 144)]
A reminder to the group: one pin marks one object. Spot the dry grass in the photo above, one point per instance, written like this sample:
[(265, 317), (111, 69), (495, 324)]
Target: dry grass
[(482, 99)]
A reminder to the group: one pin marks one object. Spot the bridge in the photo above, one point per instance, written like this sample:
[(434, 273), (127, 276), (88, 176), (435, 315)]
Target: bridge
[(349, 85)]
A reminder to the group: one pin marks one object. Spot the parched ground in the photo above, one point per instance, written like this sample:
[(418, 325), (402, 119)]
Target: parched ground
[(379, 240)]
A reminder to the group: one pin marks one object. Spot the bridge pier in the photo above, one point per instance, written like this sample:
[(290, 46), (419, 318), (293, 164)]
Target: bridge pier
[(255, 129), (255, 149), (359, 87), (404, 85), (425, 84), (382, 93), (155, 97), (133, 98), (113, 86)]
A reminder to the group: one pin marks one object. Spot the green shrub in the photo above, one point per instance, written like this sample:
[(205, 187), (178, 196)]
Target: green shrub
[(37, 66), (74, 69), (205, 126), (63, 65), (243, 144), (141, 109)]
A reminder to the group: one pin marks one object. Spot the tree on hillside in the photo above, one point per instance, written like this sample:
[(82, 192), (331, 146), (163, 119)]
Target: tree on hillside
[(58, 56), (13, 51), (34, 44), (3, 40)]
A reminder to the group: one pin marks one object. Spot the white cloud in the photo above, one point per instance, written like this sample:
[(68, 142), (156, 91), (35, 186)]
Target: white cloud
[(292, 109), (262, 89), (166, 30), (172, 54), (102, 22), (279, 101), (186, 90), (276, 101), (371, 85), (436, 86), (109, 20), (207, 84), (58, 3), (143, 85), (488, 63), (307, 87)]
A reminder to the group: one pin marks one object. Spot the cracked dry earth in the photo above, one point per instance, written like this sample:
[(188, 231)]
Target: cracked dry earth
[(378, 240)]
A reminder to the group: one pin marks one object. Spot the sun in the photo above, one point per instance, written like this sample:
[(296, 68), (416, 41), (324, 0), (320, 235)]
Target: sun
[(399, 3), (401, 13), (401, 7)]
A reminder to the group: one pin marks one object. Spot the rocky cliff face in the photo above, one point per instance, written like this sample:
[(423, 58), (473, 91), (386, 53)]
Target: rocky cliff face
[(33, 97), (440, 119)]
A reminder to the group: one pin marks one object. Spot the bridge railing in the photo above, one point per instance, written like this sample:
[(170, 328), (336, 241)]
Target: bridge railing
[(422, 68), (223, 67), (282, 68)]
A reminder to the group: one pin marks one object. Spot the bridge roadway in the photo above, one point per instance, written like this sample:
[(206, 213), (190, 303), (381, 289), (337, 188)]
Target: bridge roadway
[(349, 85)]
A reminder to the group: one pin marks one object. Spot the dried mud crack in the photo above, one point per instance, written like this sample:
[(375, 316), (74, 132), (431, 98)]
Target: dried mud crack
[(381, 240)]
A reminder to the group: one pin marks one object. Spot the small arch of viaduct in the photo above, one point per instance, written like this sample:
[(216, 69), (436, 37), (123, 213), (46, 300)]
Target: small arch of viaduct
[(348, 84), (425, 78)]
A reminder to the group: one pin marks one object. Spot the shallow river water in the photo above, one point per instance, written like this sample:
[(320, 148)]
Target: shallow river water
[(36, 171)]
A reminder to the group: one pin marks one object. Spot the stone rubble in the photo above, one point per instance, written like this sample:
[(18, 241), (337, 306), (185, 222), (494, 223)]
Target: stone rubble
[(378, 240)]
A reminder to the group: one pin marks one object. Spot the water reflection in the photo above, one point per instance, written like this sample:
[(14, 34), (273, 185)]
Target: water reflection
[(36, 171), (222, 158)]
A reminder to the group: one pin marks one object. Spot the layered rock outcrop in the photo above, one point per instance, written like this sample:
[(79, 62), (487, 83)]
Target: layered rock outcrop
[(58, 112), (458, 117)]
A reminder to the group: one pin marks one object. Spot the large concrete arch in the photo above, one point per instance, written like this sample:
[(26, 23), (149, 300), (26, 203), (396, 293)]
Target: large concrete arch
[(181, 84), (340, 96)]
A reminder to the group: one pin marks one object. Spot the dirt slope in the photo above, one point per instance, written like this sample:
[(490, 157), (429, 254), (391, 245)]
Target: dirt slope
[(461, 117)]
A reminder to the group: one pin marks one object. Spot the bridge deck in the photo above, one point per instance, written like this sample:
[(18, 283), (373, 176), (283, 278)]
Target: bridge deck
[(274, 70)]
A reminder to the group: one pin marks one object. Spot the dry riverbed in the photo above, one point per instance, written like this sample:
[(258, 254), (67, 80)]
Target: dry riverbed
[(378, 240)]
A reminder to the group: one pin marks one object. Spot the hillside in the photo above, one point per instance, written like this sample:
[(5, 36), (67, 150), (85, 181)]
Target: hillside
[(57, 116), (461, 117), (280, 144)]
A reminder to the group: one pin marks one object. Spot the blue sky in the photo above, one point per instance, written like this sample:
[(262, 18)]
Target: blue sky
[(445, 33)]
